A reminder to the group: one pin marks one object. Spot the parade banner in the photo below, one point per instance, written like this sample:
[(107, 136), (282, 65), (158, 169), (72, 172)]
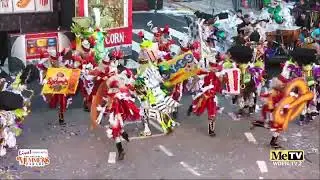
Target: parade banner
[(21, 6), (61, 81), (178, 69), (6, 6)]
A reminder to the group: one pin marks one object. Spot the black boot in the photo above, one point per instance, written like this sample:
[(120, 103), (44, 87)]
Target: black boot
[(125, 136), (85, 107), (240, 113), (313, 115), (61, 119), (274, 142), (252, 110), (175, 114), (211, 128), (189, 110), (302, 120), (120, 151), (234, 99)]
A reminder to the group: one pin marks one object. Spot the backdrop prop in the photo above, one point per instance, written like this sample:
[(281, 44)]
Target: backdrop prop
[(292, 106)]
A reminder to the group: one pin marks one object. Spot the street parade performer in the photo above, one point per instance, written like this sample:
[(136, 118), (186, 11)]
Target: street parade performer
[(114, 98), (156, 104), (87, 84), (93, 75), (306, 59), (242, 55), (284, 102), (206, 98), (57, 87), (15, 106), (162, 37)]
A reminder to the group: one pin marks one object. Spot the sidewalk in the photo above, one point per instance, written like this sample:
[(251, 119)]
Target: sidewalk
[(205, 5)]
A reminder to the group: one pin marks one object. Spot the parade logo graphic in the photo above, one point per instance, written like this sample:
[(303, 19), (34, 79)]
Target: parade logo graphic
[(287, 157), (33, 157)]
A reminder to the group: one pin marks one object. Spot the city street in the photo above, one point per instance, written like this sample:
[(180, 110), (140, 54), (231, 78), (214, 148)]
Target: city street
[(188, 153)]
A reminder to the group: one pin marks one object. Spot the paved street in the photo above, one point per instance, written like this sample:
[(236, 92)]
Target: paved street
[(187, 153)]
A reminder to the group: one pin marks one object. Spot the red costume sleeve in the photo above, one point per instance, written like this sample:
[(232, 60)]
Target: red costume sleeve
[(184, 49), (196, 55), (41, 66), (216, 82), (130, 87), (278, 97), (265, 95), (202, 72)]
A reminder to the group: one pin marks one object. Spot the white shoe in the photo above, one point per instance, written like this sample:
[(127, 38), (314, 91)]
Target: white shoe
[(146, 133)]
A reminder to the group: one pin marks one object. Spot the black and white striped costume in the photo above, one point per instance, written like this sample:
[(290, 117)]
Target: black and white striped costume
[(163, 106)]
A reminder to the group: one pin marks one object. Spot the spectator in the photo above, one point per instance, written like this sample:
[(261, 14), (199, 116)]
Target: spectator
[(316, 6), (239, 14), (246, 22), (316, 36), (300, 7), (303, 21)]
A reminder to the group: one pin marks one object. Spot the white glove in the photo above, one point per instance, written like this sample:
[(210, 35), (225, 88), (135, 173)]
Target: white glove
[(44, 81), (293, 94), (109, 133), (3, 151)]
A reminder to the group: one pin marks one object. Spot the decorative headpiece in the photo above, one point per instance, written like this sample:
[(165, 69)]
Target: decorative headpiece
[(158, 32), (85, 45), (106, 61), (114, 84), (53, 54), (304, 56), (241, 54), (116, 55)]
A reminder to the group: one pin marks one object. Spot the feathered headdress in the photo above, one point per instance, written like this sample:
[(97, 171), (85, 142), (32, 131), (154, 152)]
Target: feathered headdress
[(241, 54), (85, 44), (116, 55), (53, 54), (304, 56), (157, 31)]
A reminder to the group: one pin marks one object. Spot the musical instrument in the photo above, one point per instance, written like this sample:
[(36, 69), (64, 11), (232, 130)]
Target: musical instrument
[(232, 79), (287, 35)]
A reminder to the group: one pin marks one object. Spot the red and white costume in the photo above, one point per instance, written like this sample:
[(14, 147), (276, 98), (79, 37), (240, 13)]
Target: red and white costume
[(194, 47), (88, 54), (55, 60), (273, 97), (87, 84), (165, 42), (120, 106), (206, 99)]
